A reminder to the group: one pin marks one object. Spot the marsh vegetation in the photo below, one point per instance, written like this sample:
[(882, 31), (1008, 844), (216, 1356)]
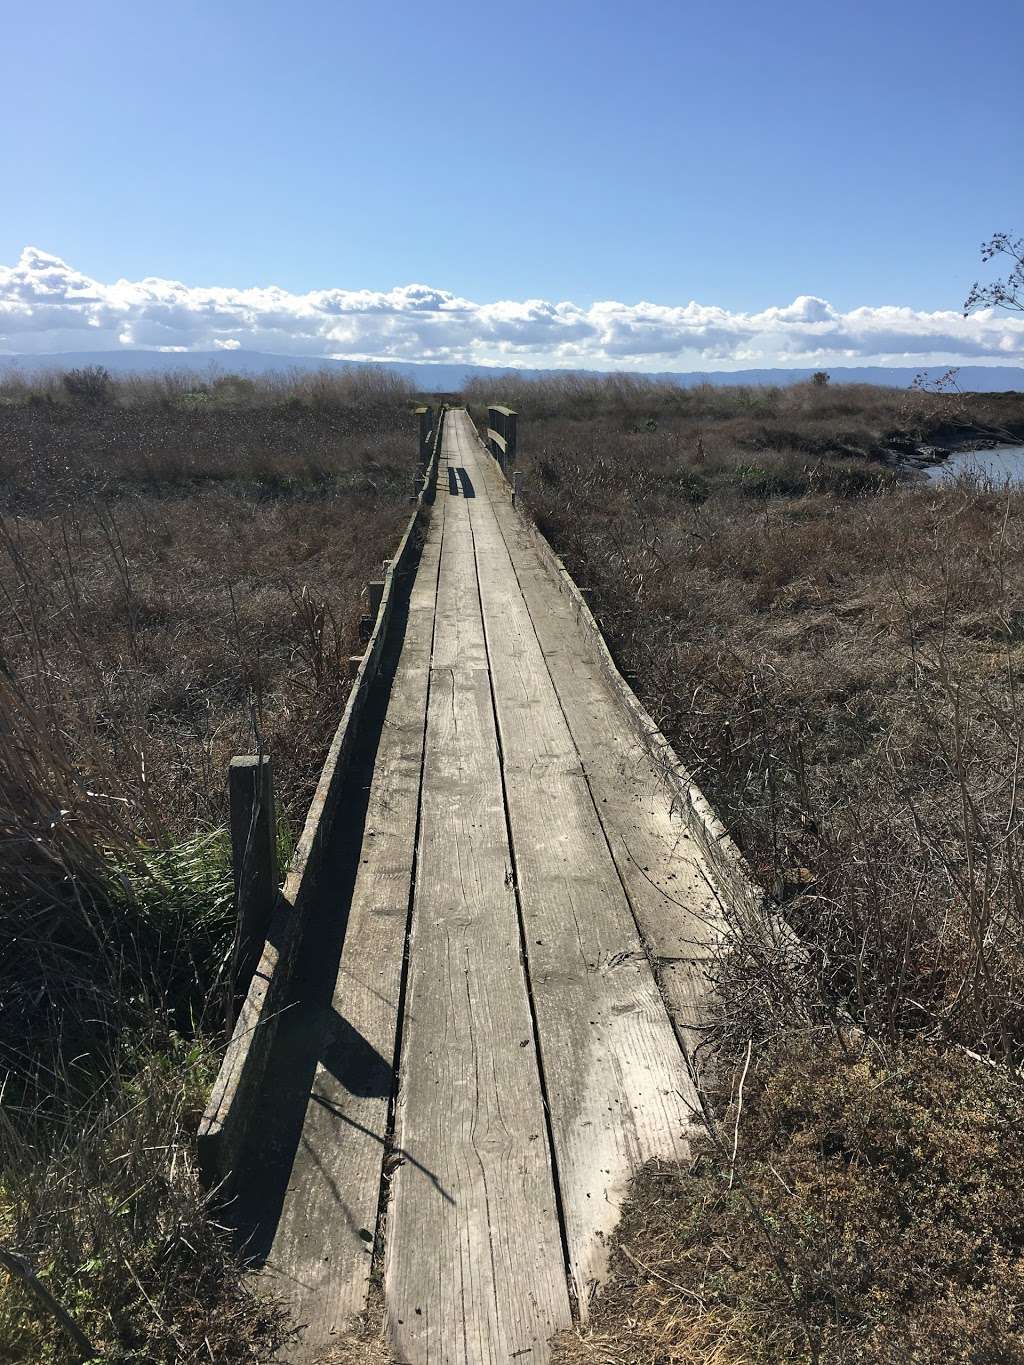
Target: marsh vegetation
[(181, 563), (833, 649), (835, 653)]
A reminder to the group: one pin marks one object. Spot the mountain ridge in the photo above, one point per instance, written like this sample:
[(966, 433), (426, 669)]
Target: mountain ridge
[(430, 376)]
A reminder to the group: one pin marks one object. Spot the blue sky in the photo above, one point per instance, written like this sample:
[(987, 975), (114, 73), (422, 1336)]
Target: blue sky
[(737, 155)]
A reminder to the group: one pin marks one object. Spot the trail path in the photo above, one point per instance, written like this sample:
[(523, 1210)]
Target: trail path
[(501, 1044)]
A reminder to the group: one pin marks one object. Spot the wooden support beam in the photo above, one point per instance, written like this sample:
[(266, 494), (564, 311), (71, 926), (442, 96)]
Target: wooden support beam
[(254, 860)]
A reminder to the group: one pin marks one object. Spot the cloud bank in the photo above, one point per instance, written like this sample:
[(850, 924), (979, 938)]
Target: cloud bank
[(46, 305)]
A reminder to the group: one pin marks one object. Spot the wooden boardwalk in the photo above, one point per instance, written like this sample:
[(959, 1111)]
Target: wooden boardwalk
[(502, 1043)]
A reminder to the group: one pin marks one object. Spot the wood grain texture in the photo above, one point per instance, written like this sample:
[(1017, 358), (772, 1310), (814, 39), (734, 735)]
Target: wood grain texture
[(474, 1268), (225, 1129), (672, 888), (614, 1074), (553, 890)]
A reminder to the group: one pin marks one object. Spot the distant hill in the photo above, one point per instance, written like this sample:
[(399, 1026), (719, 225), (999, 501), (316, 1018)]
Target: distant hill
[(450, 378)]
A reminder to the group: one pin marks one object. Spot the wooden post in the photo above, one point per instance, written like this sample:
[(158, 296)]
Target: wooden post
[(374, 594), (426, 416), (511, 433), (254, 860)]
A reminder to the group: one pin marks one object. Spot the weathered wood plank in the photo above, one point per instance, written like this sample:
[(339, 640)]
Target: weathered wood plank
[(254, 863), (474, 1269), (458, 637), (614, 1074), (672, 889)]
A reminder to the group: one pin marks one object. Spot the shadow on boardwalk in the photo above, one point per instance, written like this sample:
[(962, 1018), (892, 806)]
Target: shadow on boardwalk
[(459, 482), (311, 1033)]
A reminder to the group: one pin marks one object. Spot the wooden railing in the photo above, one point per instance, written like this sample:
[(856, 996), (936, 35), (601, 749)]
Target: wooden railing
[(272, 921), (502, 426), (426, 416)]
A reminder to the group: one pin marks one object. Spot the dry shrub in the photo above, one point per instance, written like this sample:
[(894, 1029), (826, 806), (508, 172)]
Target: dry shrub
[(147, 636), (836, 655), (873, 1215), (174, 571), (811, 418), (179, 580), (348, 388)]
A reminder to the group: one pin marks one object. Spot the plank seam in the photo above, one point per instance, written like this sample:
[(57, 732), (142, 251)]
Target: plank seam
[(644, 941), (380, 1230), (668, 771), (520, 919)]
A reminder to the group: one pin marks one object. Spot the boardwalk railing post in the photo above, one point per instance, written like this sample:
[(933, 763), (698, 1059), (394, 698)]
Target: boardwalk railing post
[(511, 432), (502, 425), (254, 860), (374, 594), (426, 416)]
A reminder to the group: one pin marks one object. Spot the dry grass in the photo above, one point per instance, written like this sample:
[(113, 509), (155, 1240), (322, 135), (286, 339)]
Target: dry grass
[(836, 655), (93, 386), (109, 1210), (812, 419), (875, 1216), (180, 574), (365, 1342)]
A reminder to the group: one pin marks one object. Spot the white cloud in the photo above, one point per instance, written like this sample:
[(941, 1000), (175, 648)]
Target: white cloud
[(46, 305)]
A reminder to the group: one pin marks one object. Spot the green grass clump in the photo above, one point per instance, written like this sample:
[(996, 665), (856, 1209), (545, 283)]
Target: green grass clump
[(104, 1202)]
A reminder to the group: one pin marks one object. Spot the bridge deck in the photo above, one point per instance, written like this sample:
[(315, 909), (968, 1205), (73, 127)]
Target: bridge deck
[(517, 879)]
